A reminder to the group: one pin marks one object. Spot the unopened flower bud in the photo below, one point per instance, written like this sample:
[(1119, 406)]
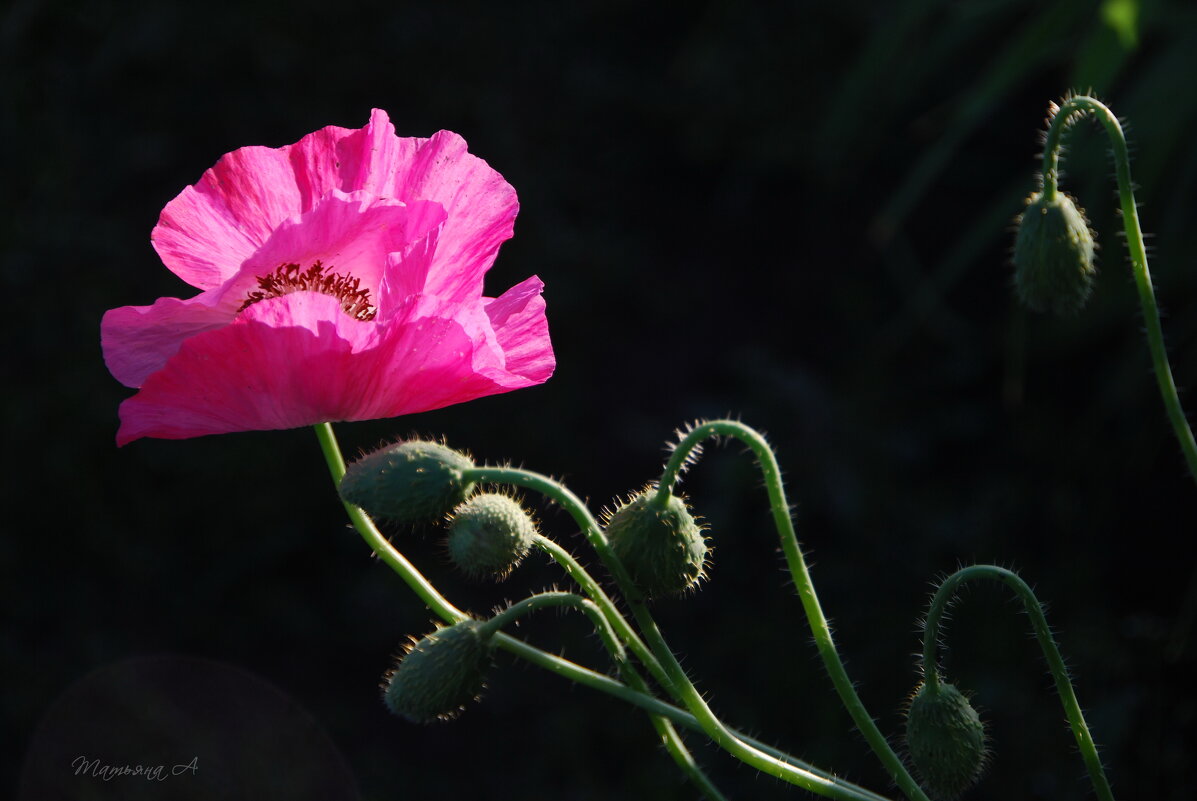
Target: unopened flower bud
[(411, 482), (489, 534), (440, 673), (663, 548), (1053, 255), (945, 739)]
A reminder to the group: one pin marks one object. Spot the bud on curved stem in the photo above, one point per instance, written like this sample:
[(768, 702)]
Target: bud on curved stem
[(590, 528), (662, 547), (547, 600), (766, 761), (379, 544), (489, 535), (409, 482), (664, 715), (1069, 111), (683, 453), (1053, 255), (1076, 719), (945, 738), (440, 673)]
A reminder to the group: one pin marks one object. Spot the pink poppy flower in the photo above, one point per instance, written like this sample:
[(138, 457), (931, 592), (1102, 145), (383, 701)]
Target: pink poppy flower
[(340, 278)]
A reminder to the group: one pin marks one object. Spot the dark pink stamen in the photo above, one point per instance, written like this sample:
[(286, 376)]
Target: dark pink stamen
[(288, 278)]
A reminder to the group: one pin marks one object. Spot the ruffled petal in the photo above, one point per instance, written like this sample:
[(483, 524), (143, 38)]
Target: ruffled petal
[(439, 353), (405, 274), (283, 363), (522, 331), (481, 209), (207, 232), (481, 206), (298, 360), (138, 340), (350, 233)]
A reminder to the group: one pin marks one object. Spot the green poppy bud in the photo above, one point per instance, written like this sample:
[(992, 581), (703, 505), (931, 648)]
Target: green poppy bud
[(440, 673), (411, 482), (1053, 255), (946, 740), (489, 534), (663, 548)]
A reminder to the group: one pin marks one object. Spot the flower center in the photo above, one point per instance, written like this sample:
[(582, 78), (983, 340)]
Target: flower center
[(288, 278)]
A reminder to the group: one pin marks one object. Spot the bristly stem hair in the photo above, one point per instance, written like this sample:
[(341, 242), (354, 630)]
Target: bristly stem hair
[(1055, 663)]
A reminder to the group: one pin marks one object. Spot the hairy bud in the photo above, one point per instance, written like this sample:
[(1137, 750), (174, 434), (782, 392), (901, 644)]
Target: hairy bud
[(411, 482), (1053, 255), (489, 534), (440, 673), (663, 548), (945, 739)]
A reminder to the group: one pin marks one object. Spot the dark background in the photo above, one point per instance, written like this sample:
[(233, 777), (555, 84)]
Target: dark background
[(796, 213)]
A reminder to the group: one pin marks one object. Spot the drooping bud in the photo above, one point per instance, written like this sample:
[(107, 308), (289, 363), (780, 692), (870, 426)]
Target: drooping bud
[(489, 534), (1053, 255), (662, 547), (410, 482), (440, 673), (946, 740)]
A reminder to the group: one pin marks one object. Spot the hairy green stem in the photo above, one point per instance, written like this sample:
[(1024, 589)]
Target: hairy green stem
[(596, 593), (574, 506), (1055, 663), (782, 768), (552, 599), (669, 735), (439, 605), (451, 614), (568, 501), (802, 582), (650, 703), (1071, 109), (721, 734)]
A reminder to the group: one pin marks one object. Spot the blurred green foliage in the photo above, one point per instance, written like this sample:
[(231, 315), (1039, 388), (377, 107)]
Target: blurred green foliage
[(794, 212)]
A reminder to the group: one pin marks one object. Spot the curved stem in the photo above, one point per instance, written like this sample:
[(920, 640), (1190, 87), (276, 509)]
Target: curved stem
[(671, 738), (603, 683), (568, 501), (439, 605), (590, 527), (664, 727), (676, 678), (802, 582), (594, 591), (663, 714), (1055, 663), (725, 737), (1070, 110), (551, 599), (445, 610)]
